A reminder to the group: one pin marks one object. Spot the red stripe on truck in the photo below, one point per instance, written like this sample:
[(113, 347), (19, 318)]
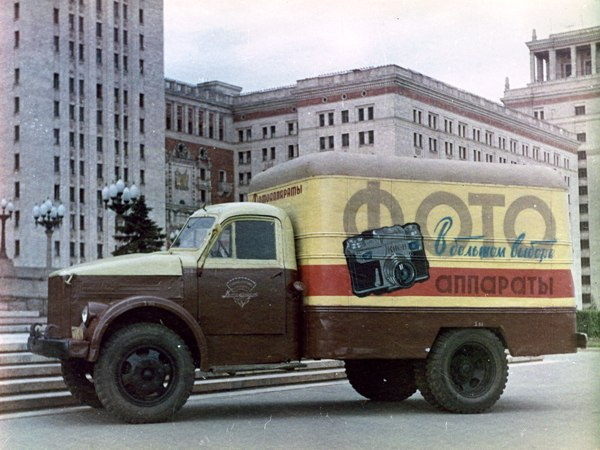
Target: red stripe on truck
[(334, 280)]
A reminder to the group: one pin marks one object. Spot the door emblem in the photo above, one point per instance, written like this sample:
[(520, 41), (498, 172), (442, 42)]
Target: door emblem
[(240, 289)]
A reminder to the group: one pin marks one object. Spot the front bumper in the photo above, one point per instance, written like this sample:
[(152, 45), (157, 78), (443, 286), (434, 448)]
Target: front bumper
[(40, 343)]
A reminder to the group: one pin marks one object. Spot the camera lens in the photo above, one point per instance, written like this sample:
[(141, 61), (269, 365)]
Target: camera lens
[(405, 274)]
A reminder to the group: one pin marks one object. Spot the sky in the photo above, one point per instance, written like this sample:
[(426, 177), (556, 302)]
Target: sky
[(264, 44)]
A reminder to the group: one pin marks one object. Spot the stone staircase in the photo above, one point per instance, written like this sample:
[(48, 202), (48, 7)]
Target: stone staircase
[(31, 382)]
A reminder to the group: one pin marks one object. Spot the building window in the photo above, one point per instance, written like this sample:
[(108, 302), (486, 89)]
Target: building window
[(345, 140), (291, 128), (432, 145), (579, 110), (56, 136), (365, 113), (432, 121), (292, 151), (449, 148), (17, 161), (17, 132), (141, 42), (17, 39), (17, 248), (418, 140), (17, 189), (56, 15), (448, 125), (141, 16), (417, 116), (476, 135), (476, 155), (17, 105), (581, 137), (366, 137), (17, 76), (345, 116), (264, 154), (462, 152), (539, 114), (56, 108), (17, 11), (273, 153)]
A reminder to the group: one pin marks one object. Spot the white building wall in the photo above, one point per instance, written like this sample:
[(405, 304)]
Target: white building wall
[(57, 47)]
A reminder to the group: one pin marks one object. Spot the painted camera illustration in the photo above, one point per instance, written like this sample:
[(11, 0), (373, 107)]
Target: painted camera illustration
[(386, 259)]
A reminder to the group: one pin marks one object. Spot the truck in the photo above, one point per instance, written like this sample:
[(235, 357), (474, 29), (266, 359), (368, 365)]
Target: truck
[(418, 274)]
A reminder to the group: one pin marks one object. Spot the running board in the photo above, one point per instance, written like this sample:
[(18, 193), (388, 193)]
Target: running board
[(232, 370)]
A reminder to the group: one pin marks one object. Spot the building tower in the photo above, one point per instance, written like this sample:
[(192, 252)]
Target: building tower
[(82, 106), (565, 90)]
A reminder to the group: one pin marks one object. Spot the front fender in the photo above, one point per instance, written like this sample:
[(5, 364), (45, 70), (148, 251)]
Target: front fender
[(102, 323)]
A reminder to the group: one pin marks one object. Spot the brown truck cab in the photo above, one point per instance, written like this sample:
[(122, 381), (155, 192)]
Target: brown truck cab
[(418, 274)]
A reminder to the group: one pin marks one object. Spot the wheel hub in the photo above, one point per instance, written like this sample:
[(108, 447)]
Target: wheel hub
[(145, 374)]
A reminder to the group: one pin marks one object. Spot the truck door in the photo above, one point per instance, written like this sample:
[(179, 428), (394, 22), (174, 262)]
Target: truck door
[(242, 283)]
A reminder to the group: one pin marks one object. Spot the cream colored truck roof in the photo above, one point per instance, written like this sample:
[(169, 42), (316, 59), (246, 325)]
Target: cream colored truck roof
[(395, 167)]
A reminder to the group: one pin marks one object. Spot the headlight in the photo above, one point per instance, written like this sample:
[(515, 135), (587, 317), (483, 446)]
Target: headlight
[(85, 315)]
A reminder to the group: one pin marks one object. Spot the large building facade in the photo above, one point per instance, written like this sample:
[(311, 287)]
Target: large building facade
[(198, 147), (83, 106), (565, 90)]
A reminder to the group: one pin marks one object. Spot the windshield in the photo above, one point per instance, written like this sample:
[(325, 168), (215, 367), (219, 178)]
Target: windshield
[(194, 232)]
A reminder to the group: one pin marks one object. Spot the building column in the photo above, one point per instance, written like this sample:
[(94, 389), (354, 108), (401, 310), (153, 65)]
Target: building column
[(573, 61), (593, 53), (552, 65), (532, 66), (540, 69)]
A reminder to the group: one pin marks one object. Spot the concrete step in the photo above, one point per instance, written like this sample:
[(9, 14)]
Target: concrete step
[(31, 385), (22, 320), (12, 347), (28, 314), (32, 402), (12, 359), (12, 329), (24, 371)]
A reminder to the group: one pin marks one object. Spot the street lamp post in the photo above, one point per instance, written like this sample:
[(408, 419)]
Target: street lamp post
[(119, 197), (4, 216), (50, 217)]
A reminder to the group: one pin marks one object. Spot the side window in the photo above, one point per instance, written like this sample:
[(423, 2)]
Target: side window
[(255, 239), (247, 239)]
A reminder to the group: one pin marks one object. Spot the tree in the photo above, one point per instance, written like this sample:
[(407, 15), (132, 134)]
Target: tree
[(137, 233)]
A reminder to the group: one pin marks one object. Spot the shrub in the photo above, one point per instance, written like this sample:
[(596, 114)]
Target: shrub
[(588, 321)]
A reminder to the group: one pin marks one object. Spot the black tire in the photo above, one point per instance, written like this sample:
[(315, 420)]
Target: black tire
[(77, 375), (382, 380), (466, 371), (145, 373), (423, 385)]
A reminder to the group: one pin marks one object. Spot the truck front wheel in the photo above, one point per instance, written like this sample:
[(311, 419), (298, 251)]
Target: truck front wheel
[(466, 371), (77, 375), (382, 380), (145, 373)]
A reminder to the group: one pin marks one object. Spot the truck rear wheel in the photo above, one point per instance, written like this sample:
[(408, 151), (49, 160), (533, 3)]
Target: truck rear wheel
[(145, 373), (77, 375), (382, 380), (466, 371)]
